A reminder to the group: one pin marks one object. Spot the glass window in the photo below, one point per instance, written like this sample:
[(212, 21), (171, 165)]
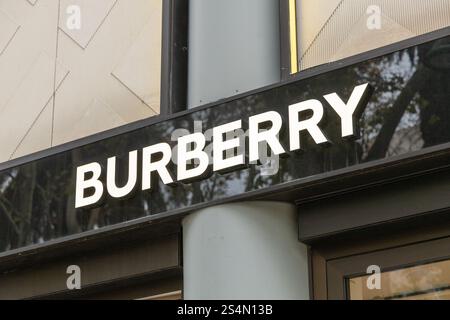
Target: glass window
[(323, 31), (424, 282)]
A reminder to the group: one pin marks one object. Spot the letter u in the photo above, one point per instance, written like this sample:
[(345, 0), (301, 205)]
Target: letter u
[(120, 192)]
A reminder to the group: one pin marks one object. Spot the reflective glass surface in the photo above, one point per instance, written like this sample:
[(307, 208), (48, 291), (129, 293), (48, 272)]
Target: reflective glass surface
[(424, 282), (408, 111)]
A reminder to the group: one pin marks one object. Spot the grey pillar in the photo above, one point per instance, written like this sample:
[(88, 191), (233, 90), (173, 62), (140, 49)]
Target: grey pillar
[(245, 250), (234, 46)]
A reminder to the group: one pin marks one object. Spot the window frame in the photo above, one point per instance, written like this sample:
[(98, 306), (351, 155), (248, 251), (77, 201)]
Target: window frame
[(335, 262), (288, 29), (174, 56)]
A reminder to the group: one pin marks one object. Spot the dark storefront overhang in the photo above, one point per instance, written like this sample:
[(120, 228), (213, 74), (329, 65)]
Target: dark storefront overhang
[(316, 173)]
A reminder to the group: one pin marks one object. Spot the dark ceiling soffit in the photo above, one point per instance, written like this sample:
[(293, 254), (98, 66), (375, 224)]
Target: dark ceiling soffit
[(426, 219), (116, 284), (86, 243), (300, 76)]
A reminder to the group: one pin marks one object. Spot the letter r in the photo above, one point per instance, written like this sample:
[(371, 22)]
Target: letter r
[(311, 125)]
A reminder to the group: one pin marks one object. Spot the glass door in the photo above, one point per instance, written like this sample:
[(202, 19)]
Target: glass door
[(430, 281), (412, 264)]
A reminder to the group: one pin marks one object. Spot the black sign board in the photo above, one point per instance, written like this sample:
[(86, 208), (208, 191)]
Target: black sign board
[(405, 110)]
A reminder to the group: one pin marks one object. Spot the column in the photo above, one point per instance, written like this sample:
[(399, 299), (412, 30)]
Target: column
[(246, 250)]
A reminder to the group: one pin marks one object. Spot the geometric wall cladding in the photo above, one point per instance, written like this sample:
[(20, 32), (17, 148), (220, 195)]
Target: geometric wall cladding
[(92, 15), (60, 84), (89, 123), (144, 53), (8, 29), (344, 31), (26, 104), (356, 39)]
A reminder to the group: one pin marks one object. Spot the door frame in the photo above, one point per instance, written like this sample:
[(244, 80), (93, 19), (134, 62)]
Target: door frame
[(334, 261)]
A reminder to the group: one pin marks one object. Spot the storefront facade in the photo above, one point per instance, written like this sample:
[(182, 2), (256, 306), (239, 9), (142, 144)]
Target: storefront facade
[(286, 152)]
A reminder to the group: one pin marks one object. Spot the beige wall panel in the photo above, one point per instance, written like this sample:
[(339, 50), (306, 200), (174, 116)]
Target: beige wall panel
[(357, 38), (91, 73), (29, 99), (312, 16), (90, 124), (37, 33), (144, 54), (126, 103), (93, 13), (38, 137), (344, 31), (113, 38), (8, 29)]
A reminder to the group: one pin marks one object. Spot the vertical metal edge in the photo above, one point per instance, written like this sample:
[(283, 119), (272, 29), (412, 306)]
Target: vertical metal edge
[(285, 63)]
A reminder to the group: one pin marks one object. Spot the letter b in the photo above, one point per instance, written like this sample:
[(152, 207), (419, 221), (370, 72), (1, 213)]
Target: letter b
[(184, 156), (83, 184)]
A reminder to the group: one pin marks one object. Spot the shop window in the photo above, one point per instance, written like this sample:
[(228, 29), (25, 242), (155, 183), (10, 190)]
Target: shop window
[(423, 282), (387, 267)]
